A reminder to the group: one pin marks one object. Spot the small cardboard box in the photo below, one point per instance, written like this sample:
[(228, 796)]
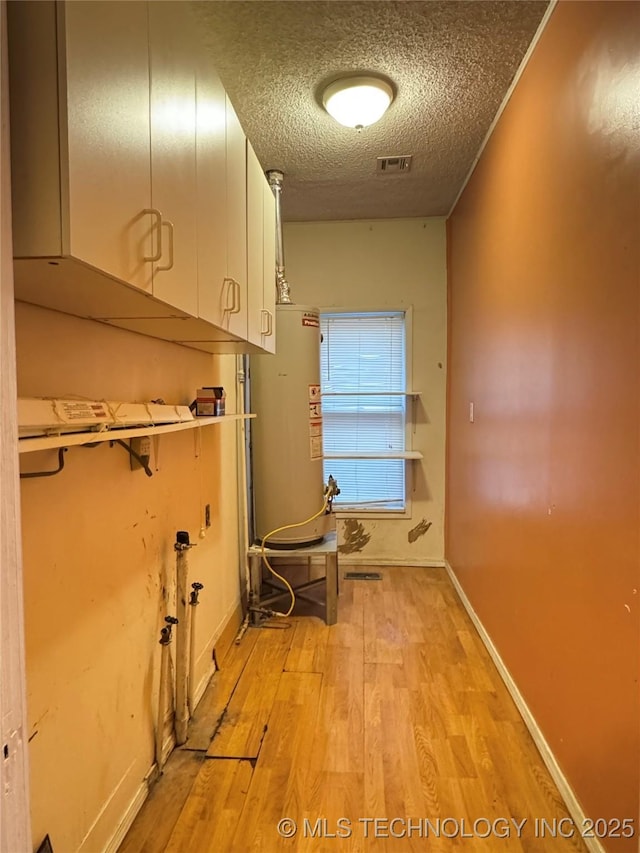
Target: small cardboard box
[(210, 401)]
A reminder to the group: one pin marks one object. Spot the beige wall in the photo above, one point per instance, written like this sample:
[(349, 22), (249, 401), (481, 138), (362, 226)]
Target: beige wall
[(372, 265), (99, 568), (543, 488)]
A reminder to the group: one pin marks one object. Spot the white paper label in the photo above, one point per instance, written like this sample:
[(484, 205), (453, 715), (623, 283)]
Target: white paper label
[(315, 443), (80, 410)]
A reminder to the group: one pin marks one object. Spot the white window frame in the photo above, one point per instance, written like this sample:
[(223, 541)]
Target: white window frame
[(409, 425)]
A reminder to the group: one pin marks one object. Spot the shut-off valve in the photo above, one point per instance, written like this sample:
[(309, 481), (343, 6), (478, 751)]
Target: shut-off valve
[(331, 490)]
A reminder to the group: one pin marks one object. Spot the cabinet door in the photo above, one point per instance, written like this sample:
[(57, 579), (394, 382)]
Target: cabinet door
[(256, 322), (214, 290), (236, 171), (173, 153), (105, 141), (268, 341)]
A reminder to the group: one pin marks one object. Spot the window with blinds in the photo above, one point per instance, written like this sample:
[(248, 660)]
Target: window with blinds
[(363, 369)]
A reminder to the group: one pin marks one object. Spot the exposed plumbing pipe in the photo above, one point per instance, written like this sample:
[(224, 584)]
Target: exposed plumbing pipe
[(193, 602), (182, 546), (61, 452), (243, 473), (165, 673), (276, 179), (242, 630)]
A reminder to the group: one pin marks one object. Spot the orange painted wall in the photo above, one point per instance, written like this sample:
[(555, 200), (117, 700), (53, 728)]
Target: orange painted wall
[(543, 491)]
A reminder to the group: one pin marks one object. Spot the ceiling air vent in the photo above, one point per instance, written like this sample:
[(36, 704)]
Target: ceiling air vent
[(394, 164)]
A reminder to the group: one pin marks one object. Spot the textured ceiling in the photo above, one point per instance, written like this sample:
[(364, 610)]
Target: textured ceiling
[(451, 64)]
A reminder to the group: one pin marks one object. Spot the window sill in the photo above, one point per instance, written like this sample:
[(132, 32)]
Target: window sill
[(359, 512)]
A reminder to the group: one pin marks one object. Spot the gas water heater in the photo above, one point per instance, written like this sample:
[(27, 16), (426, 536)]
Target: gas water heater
[(286, 437), (287, 433)]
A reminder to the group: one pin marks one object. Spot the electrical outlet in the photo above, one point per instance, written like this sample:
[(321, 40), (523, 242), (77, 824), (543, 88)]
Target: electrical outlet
[(142, 446), (207, 515)]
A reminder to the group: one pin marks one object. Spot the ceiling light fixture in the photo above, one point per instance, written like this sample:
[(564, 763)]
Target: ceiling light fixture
[(357, 101)]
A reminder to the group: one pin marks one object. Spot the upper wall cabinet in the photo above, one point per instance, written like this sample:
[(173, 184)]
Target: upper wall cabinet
[(251, 251), (81, 143), (173, 155), (236, 173), (128, 171), (261, 261), (221, 193), (215, 289)]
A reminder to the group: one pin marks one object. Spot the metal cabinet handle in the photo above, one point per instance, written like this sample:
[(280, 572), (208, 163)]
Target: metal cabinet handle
[(269, 324), (235, 291), (236, 303), (153, 211), (231, 290), (169, 226)]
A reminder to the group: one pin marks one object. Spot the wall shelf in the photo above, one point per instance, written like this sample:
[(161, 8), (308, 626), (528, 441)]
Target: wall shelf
[(74, 439), (371, 394), (374, 454)]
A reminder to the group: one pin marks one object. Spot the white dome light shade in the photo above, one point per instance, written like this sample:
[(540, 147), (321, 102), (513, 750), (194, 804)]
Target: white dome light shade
[(357, 101)]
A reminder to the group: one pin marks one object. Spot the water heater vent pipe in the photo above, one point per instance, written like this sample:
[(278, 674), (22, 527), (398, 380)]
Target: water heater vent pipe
[(276, 179)]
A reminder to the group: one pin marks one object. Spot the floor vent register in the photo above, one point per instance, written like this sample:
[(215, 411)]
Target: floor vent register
[(362, 576)]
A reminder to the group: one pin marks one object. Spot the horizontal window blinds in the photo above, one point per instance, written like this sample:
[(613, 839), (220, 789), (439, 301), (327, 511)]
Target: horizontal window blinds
[(362, 360)]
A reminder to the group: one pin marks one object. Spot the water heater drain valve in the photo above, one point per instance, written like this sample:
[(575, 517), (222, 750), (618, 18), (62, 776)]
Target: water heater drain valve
[(331, 490)]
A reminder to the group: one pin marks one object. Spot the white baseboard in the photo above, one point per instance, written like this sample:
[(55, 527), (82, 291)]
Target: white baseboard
[(139, 798), (168, 746), (204, 683), (361, 560), (130, 815), (566, 791), (209, 645)]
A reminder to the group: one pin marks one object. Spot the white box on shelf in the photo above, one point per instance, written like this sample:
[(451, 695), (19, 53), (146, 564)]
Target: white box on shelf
[(37, 416)]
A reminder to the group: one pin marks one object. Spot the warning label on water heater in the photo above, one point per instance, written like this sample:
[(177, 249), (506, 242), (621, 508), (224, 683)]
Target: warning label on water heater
[(315, 422), (315, 439)]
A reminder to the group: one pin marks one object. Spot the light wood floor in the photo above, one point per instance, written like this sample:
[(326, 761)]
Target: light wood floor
[(395, 712)]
